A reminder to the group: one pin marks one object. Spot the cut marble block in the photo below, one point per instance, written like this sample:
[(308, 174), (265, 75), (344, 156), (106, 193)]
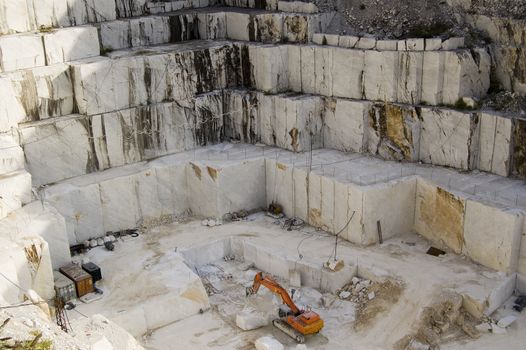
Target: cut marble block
[(134, 134), (381, 73), (483, 244), (127, 80), (15, 191), (69, 44), (37, 218), (81, 207), (433, 77), (120, 203), (280, 187), (466, 74), (212, 26), (12, 155), (297, 6), (58, 148), (269, 67), (237, 26), (344, 124), (241, 116), (267, 27), (393, 132), (299, 28), (393, 205), (348, 80), (291, 122), (495, 143), (21, 51), (509, 65), (25, 258), (439, 215), (324, 70), (215, 191), (448, 138), (35, 94), (409, 87)]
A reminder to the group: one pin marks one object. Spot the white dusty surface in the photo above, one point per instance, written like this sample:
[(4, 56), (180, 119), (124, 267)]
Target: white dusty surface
[(127, 269)]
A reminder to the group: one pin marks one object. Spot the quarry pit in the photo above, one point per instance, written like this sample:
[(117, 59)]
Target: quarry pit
[(262, 174)]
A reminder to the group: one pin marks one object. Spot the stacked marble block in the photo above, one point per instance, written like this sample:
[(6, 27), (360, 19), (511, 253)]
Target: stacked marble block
[(371, 43), (226, 178), (208, 24), (30, 15)]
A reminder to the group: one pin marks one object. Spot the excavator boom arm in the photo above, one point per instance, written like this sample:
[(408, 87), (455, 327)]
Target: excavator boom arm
[(275, 288)]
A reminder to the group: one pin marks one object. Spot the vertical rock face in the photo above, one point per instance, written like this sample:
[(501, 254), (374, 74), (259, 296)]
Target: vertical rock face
[(510, 67), (495, 144), (439, 215), (448, 137), (35, 94), (393, 132), (241, 116)]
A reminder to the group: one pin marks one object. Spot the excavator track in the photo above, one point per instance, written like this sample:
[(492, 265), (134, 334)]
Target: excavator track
[(288, 330)]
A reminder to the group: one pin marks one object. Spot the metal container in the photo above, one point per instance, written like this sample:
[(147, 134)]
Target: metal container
[(64, 287), (83, 280), (93, 270)]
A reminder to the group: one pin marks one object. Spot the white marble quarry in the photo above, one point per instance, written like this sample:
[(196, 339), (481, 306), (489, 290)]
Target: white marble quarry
[(349, 82), (212, 25), (35, 94), (433, 77), (447, 138), (11, 155), (380, 75), (297, 6), (495, 139), (69, 44), (58, 149), (21, 51), (15, 191), (500, 252), (41, 219)]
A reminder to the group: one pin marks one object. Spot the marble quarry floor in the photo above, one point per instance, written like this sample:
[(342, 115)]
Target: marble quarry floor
[(146, 275)]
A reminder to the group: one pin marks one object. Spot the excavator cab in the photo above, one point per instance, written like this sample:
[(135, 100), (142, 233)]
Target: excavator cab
[(296, 323)]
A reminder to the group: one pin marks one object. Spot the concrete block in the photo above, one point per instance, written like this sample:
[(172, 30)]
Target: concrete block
[(439, 215), (15, 191), (483, 244), (69, 44), (495, 138), (21, 51)]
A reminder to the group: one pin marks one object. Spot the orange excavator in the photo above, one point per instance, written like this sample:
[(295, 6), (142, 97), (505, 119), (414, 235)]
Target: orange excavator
[(295, 323)]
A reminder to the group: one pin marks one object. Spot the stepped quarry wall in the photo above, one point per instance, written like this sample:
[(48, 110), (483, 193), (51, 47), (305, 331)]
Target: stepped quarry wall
[(116, 114)]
